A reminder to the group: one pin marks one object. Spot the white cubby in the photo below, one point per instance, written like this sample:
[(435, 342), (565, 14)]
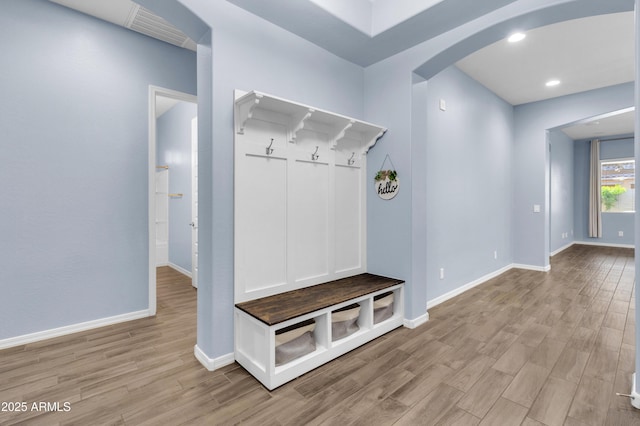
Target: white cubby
[(255, 340)]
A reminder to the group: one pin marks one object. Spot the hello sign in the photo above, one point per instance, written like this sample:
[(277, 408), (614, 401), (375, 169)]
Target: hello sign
[(387, 183)]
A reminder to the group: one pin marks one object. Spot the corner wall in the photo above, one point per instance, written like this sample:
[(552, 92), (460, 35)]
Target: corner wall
[(562, 193), (469, 175)]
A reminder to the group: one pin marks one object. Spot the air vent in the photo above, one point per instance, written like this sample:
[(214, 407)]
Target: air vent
[(146, 22)]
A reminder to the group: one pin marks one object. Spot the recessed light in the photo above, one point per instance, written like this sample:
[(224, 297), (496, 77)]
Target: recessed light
[(516, 37), (552, 83)]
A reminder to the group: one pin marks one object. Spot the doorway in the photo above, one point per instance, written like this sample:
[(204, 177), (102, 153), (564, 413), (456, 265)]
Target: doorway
[(172, 163)]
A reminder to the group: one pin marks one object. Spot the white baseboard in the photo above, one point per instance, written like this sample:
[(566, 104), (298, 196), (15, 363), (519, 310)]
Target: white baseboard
[(453, 293), (532, 267), (561, 249), (635, 396), (69, 329), (417, 322), (589, 243), (179, 269), (212, 364)]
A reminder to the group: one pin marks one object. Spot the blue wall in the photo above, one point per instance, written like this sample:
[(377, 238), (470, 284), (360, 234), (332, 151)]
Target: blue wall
[(561, 191), (611, 222), (74, 114), (468, 182), (174, 150), (531, 155)]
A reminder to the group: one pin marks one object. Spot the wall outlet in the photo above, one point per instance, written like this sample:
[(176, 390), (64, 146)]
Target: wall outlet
[(443, 105), (495, 254), (536, 208), (620, 234), (442, 273)]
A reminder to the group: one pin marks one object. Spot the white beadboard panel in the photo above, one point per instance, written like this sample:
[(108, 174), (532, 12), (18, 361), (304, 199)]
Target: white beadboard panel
[(348, 219), (310, 218), (262, 223)]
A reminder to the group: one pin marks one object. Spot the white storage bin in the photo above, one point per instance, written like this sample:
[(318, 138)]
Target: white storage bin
[(382, 307), (295, 341), (344, 321)]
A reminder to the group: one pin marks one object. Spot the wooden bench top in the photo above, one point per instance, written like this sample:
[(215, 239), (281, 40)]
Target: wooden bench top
[(284, 306)]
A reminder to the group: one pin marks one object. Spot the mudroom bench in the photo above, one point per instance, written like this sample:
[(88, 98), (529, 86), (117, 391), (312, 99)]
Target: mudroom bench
[(281, 337)]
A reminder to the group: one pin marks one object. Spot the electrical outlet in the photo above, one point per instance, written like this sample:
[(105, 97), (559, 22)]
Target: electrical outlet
[(495, 254), (620, 234), (442, 273)]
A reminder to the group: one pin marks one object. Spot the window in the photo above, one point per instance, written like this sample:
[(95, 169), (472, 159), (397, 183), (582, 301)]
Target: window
[(617, 185)]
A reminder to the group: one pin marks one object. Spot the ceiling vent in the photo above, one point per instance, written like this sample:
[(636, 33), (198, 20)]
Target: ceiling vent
[(131, 15), (146, 22)]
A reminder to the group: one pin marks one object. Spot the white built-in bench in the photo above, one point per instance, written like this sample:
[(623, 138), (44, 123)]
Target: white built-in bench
[(259, 322)]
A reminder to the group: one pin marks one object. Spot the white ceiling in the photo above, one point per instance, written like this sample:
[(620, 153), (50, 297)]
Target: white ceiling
[(613, 124), (363, 32), (372, 17), (584, 54)]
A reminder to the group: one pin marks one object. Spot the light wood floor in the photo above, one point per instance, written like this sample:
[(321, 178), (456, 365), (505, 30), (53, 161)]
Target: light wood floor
[(526, 348)]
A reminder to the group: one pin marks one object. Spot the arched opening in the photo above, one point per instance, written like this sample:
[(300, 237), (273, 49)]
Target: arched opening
[(524, 149)]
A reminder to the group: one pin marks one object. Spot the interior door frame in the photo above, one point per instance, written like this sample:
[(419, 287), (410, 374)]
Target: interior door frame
[(194, 201), (155, 91)]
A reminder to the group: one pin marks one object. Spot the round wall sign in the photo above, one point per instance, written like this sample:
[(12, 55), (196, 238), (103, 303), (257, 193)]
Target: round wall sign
[(387, 184)]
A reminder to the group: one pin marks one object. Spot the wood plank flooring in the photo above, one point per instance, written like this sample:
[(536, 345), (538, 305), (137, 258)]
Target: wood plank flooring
[(526, 348)]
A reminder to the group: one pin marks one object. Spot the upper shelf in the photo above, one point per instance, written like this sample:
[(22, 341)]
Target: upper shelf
[(299, 116)]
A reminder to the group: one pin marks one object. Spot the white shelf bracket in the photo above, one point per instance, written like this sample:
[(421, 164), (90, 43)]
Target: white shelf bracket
[(297, 123), (245, 110), (372, 141), (341, 131)]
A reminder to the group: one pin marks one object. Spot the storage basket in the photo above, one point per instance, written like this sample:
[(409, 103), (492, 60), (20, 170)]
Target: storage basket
[(382, 307), (295, 341), (344, 321)]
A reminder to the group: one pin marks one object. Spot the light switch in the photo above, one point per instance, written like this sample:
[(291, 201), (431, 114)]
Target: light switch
[(536, 208), (443, 105)]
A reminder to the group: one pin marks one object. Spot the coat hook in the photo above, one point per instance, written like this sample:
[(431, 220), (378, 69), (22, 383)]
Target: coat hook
[(269, 149), (315, 155), (350, 161)]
